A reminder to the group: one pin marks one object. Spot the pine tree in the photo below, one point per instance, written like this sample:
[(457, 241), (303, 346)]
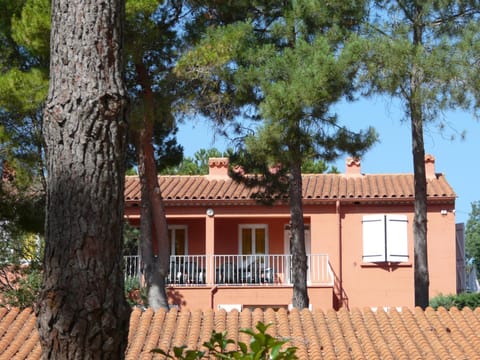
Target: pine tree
[(417, 53), (82, 312), (284, 63), (151, 43), (23, 88), (472, 236)]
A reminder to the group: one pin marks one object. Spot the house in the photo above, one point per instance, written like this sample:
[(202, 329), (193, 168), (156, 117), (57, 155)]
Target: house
[(322, 334), (228, 251)]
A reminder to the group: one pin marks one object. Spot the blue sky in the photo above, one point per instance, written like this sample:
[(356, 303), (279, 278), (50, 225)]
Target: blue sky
[(454, 158)]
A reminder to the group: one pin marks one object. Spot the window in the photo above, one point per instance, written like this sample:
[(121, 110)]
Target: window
[(385, 238), (178, 239), (253, 239)]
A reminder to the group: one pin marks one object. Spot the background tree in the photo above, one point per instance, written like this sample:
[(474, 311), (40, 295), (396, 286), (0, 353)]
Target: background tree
[(416, 53), (82, 312), (23, 88), (284, 63), (152, 40), (472, 236), (196, 165), (21, 222)]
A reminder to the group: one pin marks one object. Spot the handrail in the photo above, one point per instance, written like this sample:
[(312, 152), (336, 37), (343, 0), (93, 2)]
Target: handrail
[(253, 270)]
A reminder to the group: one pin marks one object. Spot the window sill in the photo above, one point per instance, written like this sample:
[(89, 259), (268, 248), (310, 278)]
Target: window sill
[(386, 264)]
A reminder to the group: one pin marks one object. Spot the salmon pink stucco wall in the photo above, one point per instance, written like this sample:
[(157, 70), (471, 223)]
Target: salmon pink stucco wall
[(381, 284), (441, 250)]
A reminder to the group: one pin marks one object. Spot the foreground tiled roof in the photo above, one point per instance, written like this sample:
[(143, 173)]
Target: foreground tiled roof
[(315, 187), (354, 334)]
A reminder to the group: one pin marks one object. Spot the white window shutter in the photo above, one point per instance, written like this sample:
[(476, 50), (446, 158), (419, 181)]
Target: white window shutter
[(373, 238), (397, 238)]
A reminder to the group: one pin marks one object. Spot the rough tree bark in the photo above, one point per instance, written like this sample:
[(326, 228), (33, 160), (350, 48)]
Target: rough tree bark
[(82, 312)]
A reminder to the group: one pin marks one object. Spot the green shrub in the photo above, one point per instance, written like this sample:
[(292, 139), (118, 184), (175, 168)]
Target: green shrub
[(470, 300), (24, 291), (263, 346), (134, 292)]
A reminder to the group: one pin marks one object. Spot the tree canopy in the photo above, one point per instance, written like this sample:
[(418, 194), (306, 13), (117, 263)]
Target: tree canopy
[(472, 236), (283, 64), (24, 56), (419, 53)]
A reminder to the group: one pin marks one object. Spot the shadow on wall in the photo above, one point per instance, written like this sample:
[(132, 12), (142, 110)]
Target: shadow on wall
[(175, 298)]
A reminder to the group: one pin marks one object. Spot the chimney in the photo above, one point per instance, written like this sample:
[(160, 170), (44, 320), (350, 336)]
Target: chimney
[(217, 168), (353, 167), (430, 167)]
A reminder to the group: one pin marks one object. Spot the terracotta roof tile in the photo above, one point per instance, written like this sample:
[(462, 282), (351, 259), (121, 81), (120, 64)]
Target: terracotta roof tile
[(315, 187), (355, 334)]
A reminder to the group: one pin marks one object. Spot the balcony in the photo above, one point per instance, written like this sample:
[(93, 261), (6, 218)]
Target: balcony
[(236, 270)]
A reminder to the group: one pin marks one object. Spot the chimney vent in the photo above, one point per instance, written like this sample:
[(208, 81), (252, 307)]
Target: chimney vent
[(353, 167), (217, 168), (430, 167)]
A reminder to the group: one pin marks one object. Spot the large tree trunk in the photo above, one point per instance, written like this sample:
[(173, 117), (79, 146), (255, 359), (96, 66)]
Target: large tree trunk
[(156, 265), (421, 276), (82, 312), (297, 239)]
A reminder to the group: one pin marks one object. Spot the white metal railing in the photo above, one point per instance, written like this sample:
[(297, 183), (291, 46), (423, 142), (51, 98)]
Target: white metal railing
[(194, 270), (187, 269), (249, 269), (131, 267)]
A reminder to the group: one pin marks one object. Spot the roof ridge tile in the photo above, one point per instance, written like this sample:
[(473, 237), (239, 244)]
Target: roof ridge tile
[(298, 337), (345, 334), (447, 330), (208, 325), (469, 321), (14, 324), (315, 186), (341, 348), (350, 335), (430, 333), (404, 336), (193, 337), (245, 323), (362, 332), (389, 332), (25, 322), (141, 329), (182, 327), (419, 335), (232, 328), (314, 345), (167, 332), (374, 325), (7, 319)]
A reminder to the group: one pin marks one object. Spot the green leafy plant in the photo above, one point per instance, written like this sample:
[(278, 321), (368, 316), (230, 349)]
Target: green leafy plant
[(24, 291), (135, 294), (470, 300), (20, 267), (262, 346)]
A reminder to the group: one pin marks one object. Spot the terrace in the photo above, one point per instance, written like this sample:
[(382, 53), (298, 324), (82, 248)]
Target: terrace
[(236, 270)]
